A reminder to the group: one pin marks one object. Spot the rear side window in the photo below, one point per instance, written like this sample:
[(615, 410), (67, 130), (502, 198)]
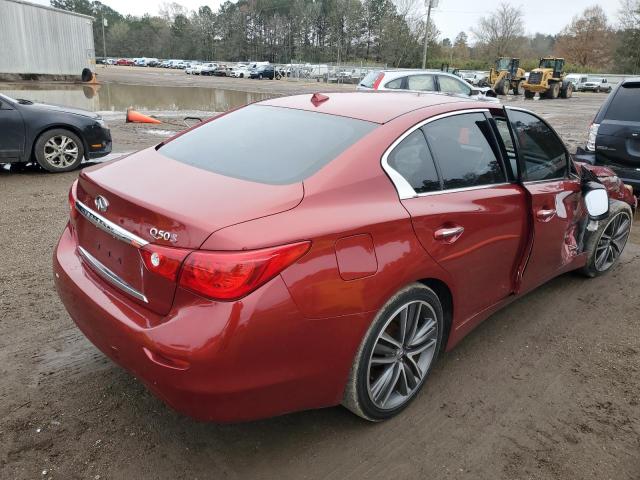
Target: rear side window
[(625, 105), (452, 85), (423, 83), (411, 159), (267, 144), (543, 153), (461, 146), (395, 84)]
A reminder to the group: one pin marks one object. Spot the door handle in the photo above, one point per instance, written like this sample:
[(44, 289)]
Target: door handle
[(448, 234), (545, 215)]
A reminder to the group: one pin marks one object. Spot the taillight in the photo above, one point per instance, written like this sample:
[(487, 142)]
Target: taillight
[(232, 275), (73, 193), (377, 81), (164, 261), (593, 133)]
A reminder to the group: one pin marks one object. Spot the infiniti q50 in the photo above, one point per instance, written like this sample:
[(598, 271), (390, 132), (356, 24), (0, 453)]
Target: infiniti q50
[(372, 232)]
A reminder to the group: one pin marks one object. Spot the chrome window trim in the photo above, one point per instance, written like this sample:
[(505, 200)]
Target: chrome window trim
[(463, 189), (403, 187), (109, 227), (109, 276)]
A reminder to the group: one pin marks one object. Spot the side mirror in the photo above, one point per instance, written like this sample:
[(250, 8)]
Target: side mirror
[(474, 92), (596, 200)]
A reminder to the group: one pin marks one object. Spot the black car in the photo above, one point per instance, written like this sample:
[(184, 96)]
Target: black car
[(263, 71), (614, 135), (58, 138)]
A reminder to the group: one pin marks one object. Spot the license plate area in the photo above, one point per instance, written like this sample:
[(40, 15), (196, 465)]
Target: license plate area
[(119, 257)]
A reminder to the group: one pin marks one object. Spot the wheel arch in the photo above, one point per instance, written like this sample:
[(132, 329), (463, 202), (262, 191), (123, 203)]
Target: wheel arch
[(445, 295), (64, 126)]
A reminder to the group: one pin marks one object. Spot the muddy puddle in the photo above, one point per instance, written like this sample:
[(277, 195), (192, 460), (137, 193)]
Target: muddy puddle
[(117, 97)]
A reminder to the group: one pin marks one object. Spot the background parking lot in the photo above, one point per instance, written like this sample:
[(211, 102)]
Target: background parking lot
[(547, 388)]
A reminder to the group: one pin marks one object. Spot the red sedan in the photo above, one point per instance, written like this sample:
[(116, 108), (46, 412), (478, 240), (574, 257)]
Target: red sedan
[(124, 61), (310, 251)]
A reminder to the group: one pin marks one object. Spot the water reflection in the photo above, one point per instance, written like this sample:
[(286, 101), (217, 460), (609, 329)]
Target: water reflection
[(117, 97)]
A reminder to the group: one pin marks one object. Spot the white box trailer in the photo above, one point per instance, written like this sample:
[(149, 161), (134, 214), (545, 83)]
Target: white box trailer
[(41, 40)]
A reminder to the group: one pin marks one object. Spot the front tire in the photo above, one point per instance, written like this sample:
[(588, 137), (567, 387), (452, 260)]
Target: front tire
[(59, 150), (529, 94), (396, 354), (606, 244)]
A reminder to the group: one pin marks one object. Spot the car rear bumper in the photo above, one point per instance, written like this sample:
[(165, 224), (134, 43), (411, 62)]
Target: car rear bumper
[(215, 361), (628, 175)]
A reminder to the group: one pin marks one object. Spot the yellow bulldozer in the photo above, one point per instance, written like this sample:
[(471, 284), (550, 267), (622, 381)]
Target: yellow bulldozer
[(548, 80), (506, 76)]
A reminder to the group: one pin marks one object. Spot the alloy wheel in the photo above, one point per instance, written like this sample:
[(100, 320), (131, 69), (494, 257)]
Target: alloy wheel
[(612, 241), (402, 355), (60, 151)]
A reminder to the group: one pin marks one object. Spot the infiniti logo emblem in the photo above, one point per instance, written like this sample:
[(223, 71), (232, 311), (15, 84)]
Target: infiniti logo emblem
[(101, 203)]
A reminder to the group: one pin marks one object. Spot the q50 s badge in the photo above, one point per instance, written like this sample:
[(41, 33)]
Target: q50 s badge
[(163, 235)]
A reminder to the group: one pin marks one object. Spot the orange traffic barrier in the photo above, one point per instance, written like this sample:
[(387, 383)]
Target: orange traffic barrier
[(137, 117)]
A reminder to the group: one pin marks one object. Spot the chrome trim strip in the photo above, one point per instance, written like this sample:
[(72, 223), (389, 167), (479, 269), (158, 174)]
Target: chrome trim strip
[(109, 227), (109, 276), (404, 188), (464, 189)]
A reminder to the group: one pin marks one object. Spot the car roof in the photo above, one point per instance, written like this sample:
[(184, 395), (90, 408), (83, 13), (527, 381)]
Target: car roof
[(631, 80), (374, 106)]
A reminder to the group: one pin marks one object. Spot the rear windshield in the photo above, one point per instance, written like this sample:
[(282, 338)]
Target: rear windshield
[(267, 144), (369, 80), (625, 105)]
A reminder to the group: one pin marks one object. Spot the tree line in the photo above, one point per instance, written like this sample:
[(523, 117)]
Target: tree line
[(382, 32)]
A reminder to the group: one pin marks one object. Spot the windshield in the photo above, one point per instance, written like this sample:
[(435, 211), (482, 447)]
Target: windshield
[(548, 63), (369, 79), (503, 64), (267, 144), (595, 79)]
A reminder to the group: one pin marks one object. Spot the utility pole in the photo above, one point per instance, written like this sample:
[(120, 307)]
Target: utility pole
[(104, 43), (430, 5)]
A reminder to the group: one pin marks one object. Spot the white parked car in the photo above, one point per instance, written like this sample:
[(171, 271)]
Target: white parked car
[(424, 81), (578, 81), (205, 68), (596, 84), (191, 68), (241, 71)]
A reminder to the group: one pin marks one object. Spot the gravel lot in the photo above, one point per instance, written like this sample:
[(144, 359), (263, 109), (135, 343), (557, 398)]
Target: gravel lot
[(548, 388)]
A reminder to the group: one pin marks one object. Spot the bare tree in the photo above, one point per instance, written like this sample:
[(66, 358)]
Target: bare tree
[(587, 40), (498, 32)]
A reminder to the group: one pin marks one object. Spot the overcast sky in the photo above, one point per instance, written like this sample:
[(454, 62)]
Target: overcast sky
[(451, 16)]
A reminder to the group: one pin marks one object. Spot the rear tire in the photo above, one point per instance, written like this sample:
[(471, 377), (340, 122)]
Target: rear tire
[(606, 244), (502, 88), (59, 150), (396, 354), (517, 90), (567, 91)]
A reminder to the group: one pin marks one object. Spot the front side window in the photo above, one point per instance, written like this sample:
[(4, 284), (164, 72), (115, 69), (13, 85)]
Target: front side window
[(267, 144), (423, 83), (411, 159), (453, 85), (461, 147), (542, 152)]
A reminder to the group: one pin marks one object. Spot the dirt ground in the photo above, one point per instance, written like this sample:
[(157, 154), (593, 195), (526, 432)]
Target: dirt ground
[(548, 388)]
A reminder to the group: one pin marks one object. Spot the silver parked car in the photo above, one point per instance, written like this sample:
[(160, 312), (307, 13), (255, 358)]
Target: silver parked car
[(424, 81)]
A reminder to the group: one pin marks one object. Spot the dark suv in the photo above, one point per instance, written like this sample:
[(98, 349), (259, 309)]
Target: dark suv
[(263, 71), (614, 135)]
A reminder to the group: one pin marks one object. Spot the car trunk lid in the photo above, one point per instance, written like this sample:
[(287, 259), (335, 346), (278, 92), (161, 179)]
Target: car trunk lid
[(156, 200)]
